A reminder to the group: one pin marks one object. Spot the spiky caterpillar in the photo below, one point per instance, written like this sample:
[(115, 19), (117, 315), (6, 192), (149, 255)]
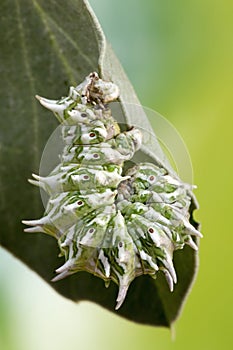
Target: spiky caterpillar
[(116, 226)]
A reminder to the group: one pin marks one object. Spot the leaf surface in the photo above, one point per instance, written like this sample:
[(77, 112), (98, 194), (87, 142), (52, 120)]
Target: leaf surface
[(46, 47)]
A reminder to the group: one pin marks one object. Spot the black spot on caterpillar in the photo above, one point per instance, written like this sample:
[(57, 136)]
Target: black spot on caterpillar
[(112, 224)]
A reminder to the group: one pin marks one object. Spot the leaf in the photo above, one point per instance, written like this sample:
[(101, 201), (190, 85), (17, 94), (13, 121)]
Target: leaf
[(133, 112), (46, 47)]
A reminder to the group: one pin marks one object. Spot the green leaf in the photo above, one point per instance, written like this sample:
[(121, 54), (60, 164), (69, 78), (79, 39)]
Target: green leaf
[(46, 46)]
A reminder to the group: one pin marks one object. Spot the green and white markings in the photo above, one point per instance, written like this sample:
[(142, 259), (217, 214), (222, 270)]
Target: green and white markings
[(116, 225)]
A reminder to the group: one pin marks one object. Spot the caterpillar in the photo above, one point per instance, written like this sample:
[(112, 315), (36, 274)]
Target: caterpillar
[(112, 223)]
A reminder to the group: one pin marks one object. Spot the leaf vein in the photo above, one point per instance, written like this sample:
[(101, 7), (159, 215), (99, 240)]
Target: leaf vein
[(46, 19), (35, 148)]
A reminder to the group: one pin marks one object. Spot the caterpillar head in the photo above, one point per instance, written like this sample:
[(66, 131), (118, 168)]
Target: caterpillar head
[(95, 90)]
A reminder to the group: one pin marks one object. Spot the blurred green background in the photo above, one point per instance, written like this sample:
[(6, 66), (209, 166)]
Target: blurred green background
[(178, 55)]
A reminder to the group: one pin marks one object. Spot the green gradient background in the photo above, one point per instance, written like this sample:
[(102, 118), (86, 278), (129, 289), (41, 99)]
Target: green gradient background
[(178, 55)]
